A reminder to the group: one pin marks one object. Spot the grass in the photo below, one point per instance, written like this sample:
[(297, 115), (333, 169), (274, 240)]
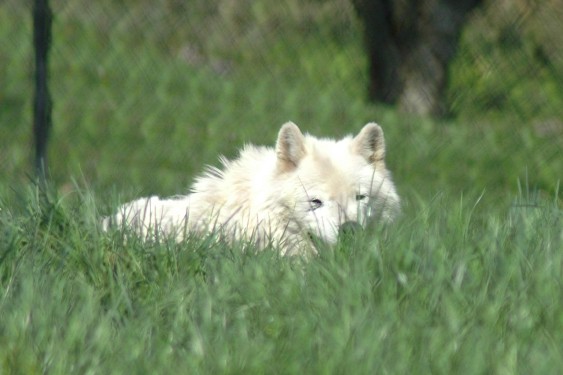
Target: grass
[(454, 287), (467, 281)]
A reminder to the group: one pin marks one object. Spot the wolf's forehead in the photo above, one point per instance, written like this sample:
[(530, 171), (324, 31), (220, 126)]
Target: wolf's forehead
[(336, 175), (338, 158)]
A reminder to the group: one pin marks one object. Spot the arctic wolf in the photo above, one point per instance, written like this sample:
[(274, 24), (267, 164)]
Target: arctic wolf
[(305, 190)]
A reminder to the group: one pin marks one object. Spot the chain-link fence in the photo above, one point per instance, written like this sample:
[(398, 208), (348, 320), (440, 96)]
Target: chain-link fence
[(147, 92)]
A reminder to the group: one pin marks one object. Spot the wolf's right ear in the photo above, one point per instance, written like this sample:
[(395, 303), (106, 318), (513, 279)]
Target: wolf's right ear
[(290, 147), (370, 143)]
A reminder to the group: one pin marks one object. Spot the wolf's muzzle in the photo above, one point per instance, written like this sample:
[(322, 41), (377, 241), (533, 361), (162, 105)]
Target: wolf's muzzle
[(349, 229)]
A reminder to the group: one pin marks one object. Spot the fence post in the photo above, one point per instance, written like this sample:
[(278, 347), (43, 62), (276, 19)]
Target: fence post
[(42, 19)]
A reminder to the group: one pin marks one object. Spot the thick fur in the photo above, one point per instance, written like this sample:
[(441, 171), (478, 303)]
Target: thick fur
[(304, 188)]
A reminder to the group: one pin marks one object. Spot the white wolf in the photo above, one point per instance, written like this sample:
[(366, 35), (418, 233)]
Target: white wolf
[(307, 188)]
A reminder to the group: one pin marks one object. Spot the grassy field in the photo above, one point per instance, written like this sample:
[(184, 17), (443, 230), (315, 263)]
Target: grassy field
[(468, 281), (453, 287)]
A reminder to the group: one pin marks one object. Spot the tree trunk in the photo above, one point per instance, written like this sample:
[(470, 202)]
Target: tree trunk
[(410, 44)]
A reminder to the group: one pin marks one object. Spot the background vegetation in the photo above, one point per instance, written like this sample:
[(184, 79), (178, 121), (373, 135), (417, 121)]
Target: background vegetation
[(145, 94)]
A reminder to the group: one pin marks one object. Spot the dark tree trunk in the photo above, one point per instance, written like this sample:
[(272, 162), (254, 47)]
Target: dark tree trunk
[(409, 46)]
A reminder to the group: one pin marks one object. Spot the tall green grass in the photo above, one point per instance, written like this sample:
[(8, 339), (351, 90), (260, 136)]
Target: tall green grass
[(452, 287)]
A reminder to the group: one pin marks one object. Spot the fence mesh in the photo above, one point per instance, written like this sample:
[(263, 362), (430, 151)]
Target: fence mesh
[(146, 92)]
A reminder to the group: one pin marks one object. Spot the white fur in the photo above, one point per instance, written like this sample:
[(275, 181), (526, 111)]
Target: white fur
[(305, 187)]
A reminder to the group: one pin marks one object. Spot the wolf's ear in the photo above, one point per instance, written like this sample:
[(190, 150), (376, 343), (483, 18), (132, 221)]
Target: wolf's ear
[(290, 147), (370, 143)]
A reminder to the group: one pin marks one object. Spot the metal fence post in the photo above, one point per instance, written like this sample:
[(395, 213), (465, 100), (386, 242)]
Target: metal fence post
[(42, 19)]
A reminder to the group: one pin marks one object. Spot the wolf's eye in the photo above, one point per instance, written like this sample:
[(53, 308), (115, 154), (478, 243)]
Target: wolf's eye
[(361, 197), (315, 203)]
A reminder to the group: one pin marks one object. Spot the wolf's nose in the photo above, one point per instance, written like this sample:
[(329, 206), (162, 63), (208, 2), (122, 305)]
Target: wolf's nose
[(349, 228)]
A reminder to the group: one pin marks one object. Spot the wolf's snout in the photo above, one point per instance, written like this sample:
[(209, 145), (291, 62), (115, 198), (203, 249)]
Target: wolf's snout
[(349, 228)]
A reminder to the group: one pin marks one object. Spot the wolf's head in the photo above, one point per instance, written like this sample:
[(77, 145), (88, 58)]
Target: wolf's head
[(333, 186)]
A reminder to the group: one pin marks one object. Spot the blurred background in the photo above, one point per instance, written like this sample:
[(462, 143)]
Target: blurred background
[(145, 93)]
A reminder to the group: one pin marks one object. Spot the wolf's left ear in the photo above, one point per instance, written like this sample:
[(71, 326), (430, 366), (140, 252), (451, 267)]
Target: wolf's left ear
[(370, 143), (290, 147)]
